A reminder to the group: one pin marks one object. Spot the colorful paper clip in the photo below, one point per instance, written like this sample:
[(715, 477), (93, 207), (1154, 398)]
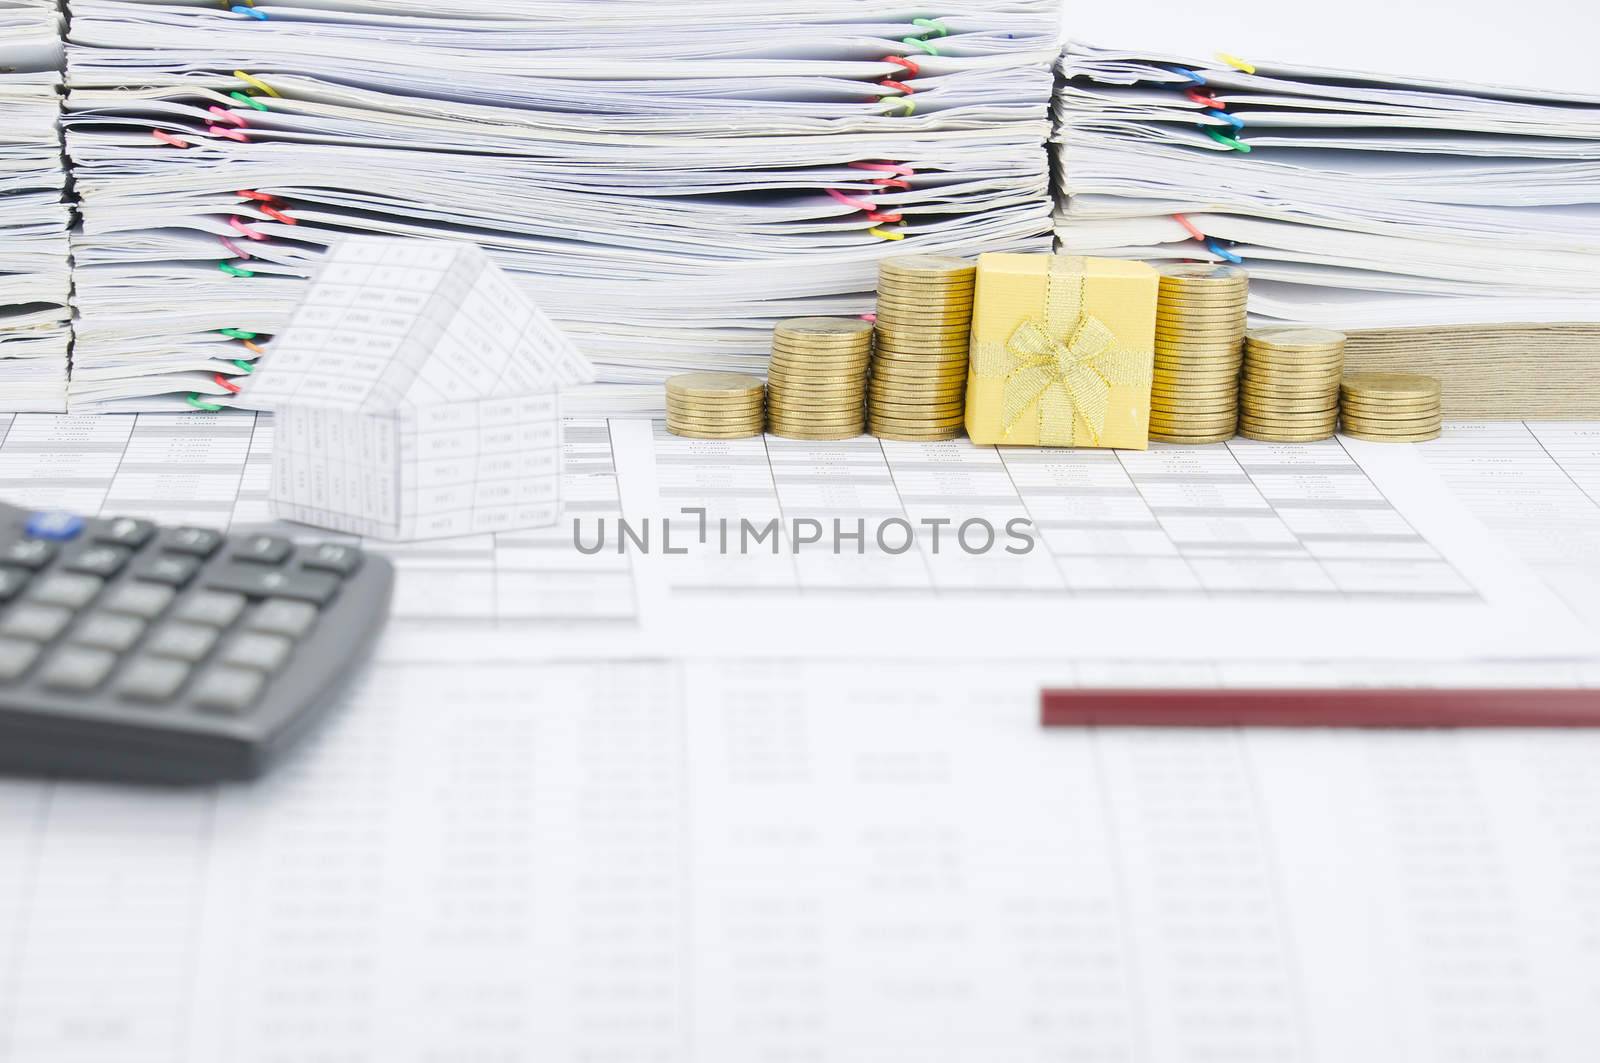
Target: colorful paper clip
[(1226, 141), (1236, 63), (226, 384), (234, 249), (249, 101), (167, 138), (1202, 100), (228, 116), (240, 9), (851, 201), (235, 271), (1232, 119), (1223, 253), (200, 404), (1190, 227), (239, 224), (1191, 75), (251, 79), (885, 234)]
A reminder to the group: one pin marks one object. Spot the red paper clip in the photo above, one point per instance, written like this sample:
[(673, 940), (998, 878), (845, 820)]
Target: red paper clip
[(873, 215), (1191, 227), (851, 201), (1204, 100), (897, 86), (250, 193), (254, 234), (274, 212), (887, 167), (911, 65), (168, 138), (225, 383)]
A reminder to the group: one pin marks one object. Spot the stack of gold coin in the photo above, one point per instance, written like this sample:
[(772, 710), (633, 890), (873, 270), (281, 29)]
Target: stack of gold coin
[(919, 370), (1390, 407), (1200, 322), (817, 384), (716, 405), (1290, 389)]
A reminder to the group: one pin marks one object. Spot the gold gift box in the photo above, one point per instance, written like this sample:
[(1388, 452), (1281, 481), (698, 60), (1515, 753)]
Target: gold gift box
[(1062, 351)]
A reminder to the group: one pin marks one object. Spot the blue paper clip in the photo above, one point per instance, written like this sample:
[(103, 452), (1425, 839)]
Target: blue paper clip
[(1232, 119), (1223, 253), (1185, 72), (255, 13)]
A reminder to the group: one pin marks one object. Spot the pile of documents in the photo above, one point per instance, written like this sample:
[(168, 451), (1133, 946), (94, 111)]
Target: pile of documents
[(668, 180), (35, 276), (1384, 207)]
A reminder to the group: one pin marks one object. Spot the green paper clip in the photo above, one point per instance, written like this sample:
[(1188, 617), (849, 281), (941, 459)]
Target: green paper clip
[(200, 404), (244, 366), (906, 103), (251, 100), (917, 42), (931, 25), (1235, 144), (237, 334), (234, 271)]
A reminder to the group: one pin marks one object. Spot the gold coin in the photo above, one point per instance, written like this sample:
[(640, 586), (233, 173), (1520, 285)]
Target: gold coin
[(926, 295), (1231, 298), (1193, 441), (1272, 435), (820, 436), (1192, 406), (1401, 424), (714, 385), (893, 423), (1297, 336), (914, 409), (1378, 413), (1201, 273), (703, 433), (713, 416), (1417, 437), (915, 347), (1403, 386), (898, 435), (823, 327), (922, 265), (716, 409), (1209, 316)]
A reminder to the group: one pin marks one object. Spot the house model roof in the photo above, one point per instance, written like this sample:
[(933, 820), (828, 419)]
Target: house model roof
[(388, 325)]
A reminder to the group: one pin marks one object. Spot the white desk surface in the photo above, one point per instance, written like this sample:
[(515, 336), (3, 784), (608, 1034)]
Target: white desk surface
[(493, 855)]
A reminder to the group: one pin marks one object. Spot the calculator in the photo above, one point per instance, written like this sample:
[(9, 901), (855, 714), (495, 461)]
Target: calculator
[(131, 651)]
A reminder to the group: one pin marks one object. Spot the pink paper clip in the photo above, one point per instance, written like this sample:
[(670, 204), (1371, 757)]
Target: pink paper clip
[(234, 249), (254, 234), (852, 201), (1190, 227), (227, 116), (168, 138), (873, 215), (231, 134), (274, 212), (870, 317), (250, 193)]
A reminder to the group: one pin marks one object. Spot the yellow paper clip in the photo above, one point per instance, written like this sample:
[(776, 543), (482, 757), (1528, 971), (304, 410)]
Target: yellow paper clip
[(251, 79), (1235, 62), (885, 234)]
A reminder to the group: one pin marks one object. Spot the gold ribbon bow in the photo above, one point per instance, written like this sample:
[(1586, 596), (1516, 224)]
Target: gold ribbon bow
[(1070, 381)]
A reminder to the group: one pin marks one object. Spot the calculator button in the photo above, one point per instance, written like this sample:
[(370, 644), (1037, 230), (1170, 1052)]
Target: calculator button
[(262, 549), (278, 617), (55, 527), (196, 542), (12, 580), (186, 642), (331, 557), (77, 669), (29, 553), (41, 623), (225, 689), (217, 608), (265, 653), (259, 582), (108, 631), (152, 679), (125, 531), (69, 589), (15, 657), (139, 599), (172, 569), (98, 560)]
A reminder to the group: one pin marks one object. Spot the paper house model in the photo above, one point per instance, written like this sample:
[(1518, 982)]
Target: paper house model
[(416, 393)]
